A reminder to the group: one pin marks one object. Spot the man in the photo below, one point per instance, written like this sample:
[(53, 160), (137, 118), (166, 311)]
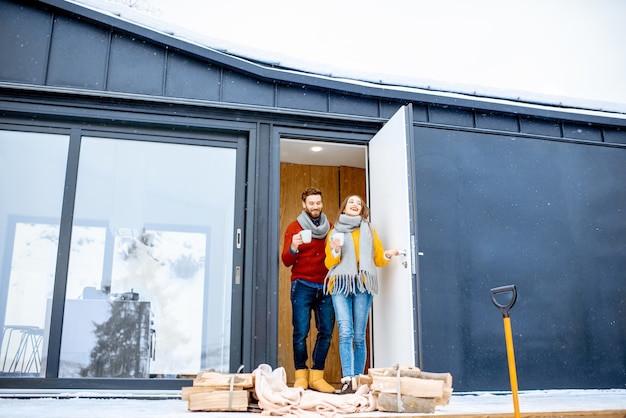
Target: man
[(306, 259)]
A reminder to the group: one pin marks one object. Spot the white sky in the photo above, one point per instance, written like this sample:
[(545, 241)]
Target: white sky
[(556, 51)]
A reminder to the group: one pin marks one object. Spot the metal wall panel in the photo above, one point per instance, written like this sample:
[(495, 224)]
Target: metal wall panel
[(615, 136), (420, 113), (499, 122), (302, 97), (547, 216), (451, 116), (24, 43), (78, 55), (136, 66), (238, 88), (191, 78), (542, 127), (353, 105), (388, 108), (582, 131)]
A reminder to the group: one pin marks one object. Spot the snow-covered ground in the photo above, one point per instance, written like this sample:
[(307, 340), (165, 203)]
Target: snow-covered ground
[(80, 406)]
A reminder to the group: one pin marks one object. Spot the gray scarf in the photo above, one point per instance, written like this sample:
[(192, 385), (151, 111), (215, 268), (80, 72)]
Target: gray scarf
[(318, 232), (347, 276)]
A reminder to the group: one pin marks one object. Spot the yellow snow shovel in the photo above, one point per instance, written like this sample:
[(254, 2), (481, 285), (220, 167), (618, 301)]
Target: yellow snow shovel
[(505, 308)]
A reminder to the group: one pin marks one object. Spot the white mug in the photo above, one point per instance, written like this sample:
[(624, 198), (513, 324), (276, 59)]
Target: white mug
[(305, 234), (339, 235)]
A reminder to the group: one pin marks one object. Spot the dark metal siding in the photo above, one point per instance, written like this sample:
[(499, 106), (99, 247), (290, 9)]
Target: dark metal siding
[(302, 97), (192, 79), (494, 121), (582, 131), (24, 43), (540, 127), (420, 113), (353, 105), (388, 108), (451, 116), (136, 66), (615, 136), (548, 216), (264, 284), (78, 55), (238, 88)]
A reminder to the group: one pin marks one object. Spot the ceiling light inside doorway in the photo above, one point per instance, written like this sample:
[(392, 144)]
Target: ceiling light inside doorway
[(316, 148)]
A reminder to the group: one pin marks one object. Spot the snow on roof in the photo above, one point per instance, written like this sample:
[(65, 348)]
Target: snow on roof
[(398, 82)]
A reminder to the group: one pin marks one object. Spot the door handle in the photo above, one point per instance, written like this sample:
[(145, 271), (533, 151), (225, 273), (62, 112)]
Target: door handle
[(403, 253)]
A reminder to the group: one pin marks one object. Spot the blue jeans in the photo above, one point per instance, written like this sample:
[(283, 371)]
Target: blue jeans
[(352, 312), (305, 299)]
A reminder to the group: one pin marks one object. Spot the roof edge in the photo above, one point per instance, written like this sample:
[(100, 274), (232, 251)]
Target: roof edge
[(275, 73)]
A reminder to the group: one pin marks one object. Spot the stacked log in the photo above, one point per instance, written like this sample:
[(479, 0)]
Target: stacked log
[(408, 389), (213, 391)]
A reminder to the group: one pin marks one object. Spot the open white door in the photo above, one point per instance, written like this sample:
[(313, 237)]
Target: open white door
[(393, 313)]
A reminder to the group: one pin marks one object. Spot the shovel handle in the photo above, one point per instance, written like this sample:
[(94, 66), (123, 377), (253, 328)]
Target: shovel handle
[(504, 308)]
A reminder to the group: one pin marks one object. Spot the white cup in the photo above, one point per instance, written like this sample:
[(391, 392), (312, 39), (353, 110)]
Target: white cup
[(338, 235), (305, 234)]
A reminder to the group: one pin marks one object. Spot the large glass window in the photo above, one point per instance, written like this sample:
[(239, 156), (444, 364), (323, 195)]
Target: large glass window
[(32, 178), (150, 269)]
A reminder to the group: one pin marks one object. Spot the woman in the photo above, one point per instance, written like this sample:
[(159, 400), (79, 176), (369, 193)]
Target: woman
[(353, 252)]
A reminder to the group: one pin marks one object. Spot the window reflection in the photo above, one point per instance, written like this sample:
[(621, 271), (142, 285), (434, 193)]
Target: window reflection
[(30, 285), (151, 261), (156, 285), (32, 178), (149, 281)]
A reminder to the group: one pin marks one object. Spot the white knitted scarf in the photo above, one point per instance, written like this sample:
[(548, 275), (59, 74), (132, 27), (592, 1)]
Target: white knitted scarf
[(347, 277), (317, 231)]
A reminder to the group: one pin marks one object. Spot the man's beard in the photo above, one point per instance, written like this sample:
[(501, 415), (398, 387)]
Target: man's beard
[(312, 216)]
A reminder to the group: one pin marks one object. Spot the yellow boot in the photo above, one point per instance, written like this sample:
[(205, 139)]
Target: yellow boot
[(302, 379), (317, 382)]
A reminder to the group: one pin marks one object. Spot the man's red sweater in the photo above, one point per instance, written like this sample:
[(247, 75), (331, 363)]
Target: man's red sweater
[(308, 263)]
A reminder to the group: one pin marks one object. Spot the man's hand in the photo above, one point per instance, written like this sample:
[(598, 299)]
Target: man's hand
[(296, 241)]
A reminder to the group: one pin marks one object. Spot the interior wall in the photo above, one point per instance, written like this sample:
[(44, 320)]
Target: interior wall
[(336, 183)]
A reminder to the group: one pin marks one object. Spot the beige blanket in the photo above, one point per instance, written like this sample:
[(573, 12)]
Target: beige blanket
[(276, 398)]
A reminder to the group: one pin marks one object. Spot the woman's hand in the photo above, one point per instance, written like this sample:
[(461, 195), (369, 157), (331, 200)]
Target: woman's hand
[(335, 244), (391, 253)]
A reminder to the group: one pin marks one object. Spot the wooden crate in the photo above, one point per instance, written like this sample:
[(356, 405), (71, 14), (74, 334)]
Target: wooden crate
[(213, 391), (408, 389)]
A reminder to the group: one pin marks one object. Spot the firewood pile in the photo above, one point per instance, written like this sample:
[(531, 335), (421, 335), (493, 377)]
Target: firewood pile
[(408, 389), (394, 389), (213, 391)]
